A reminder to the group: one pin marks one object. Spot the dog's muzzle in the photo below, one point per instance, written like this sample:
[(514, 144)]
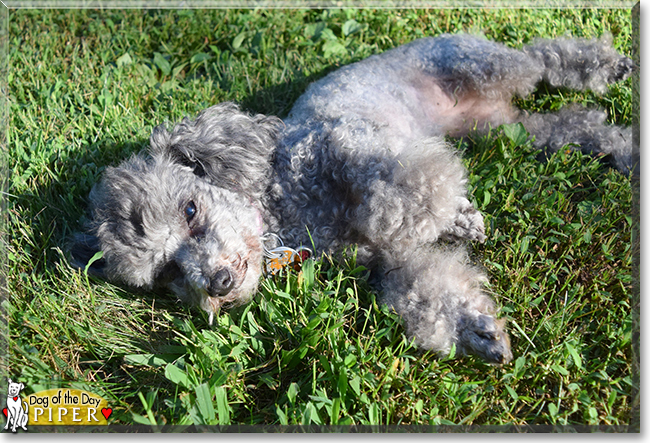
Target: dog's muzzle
[(221, 283)]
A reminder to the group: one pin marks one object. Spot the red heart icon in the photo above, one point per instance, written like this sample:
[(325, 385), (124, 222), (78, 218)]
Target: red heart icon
[(15, 398), (4, 411), (106, 412)]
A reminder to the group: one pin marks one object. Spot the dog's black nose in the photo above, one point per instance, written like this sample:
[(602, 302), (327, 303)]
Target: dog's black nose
[(221, 282)]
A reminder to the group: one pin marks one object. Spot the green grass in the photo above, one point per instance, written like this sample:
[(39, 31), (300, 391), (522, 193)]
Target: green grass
[(85, 90)]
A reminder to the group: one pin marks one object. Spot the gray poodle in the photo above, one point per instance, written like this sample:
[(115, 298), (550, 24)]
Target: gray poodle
[(362, 160)]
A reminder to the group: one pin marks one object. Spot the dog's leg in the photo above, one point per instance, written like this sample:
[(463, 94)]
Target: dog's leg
[(25, 416), (440, 298), (411, 199), (585, 128), (473, 69), (454, 84), (580, 64), (466, 64), (468, 223)]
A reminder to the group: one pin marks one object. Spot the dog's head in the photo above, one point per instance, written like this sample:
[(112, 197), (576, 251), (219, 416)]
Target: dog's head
[(188, 216), (14, 388)]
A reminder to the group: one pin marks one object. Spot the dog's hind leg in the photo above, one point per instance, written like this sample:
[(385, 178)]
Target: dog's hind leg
[(585, 128), (440, 298), (471, 64), (580, 64)]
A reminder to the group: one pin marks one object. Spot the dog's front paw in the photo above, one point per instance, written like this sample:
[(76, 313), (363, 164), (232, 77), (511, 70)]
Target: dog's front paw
[(485, 337), (468, 224)]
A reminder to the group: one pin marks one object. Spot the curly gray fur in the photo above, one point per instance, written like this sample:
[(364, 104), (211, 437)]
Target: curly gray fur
[(361, 159)]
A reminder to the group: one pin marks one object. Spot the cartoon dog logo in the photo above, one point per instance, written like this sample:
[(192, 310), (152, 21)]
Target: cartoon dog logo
[(16, 415)]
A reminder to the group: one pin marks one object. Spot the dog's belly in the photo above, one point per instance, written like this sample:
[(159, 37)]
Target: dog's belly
[(456, 116), (419, 107)]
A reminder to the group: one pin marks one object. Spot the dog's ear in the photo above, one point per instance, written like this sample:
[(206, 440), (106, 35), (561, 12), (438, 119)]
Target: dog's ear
[(83, 247), (230, 148)]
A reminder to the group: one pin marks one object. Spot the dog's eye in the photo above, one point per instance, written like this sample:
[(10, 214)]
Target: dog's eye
[(485, 335), (190, 211)]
